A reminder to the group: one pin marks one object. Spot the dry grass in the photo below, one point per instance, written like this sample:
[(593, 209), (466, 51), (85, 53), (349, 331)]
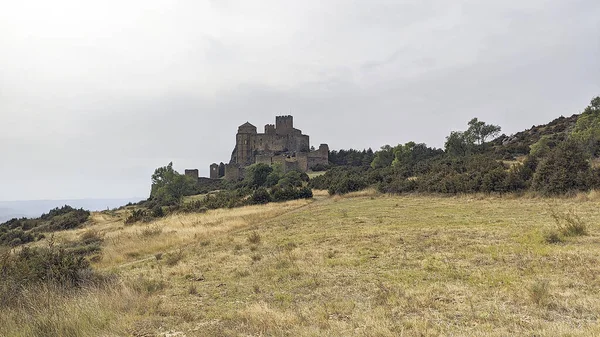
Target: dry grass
[(96, 311), (366, 265)]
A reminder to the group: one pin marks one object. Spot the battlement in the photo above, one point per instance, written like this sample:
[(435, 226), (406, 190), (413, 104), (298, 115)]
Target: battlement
[(284, 124), (270, 129)]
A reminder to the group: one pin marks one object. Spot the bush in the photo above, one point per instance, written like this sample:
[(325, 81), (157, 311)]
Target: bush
[(341, 180), (35, 266), (254, 238), (569, 223), (158, 212), (260, 196), (320, 167), (136, 215), (539, 292), (565, 169)]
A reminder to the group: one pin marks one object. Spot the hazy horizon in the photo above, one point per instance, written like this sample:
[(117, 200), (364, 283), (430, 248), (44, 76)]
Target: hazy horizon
[(95, 96)]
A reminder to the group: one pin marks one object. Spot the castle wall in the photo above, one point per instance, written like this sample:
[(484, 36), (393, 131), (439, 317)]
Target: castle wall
[(280, 143), (302, 160), (264, 159), (192, 173), (232, 172)]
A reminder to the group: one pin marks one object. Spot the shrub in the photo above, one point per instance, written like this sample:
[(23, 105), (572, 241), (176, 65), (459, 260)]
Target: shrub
[(539, 292), (320, 167), (569, 223), (552, 236), (136, 215), (158, 212), (566, 168), (260, 196), (254, 238), (35, 266), (173, 258)]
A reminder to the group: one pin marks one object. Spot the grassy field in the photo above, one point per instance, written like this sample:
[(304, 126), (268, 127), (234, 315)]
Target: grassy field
[(363, 265)]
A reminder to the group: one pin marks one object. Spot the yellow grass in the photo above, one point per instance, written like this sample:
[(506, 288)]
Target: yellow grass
[(365, 264)]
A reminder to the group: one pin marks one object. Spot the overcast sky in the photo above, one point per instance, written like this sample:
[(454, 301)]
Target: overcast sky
[(94, 95)]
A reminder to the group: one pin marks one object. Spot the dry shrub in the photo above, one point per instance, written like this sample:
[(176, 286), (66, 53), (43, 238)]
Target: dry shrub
[(263, 320), (254, 238), (46, 310), (539, 292), (173, 258), (569, 223), (150, 231)]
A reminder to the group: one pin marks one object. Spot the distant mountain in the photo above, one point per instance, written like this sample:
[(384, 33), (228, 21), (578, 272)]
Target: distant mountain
[(35, 208)]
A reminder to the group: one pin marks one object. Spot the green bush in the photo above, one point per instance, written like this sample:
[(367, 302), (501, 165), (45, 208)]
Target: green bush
[(565, 169), (260, 196), (137, 215)]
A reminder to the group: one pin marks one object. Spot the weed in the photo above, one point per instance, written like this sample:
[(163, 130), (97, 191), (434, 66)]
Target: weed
[(256, 257), (148, 286), (539, 292), (552, 236), (173, 258), (254, 238), (569, 223), (150, 231)]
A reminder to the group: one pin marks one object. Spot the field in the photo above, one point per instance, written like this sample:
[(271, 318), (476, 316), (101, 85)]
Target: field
[(363, 265)]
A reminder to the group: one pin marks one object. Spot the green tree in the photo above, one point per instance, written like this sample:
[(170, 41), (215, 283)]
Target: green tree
[(587, 128), (257, 174), (169, 187), (479, 131), (383, 157), (458, 144), (541, 148)]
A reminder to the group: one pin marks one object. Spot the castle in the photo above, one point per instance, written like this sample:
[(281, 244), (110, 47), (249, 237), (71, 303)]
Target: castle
[(280, 144)]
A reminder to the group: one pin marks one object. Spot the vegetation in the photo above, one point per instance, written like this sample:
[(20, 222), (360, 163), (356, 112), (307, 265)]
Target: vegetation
[(20, 231), (558, 160), (359, 264)]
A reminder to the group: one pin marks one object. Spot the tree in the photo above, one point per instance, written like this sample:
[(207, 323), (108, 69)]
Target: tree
[(383, 157), (257, 174), (169, 187), (587, 128), (458, 144), (479, 131)]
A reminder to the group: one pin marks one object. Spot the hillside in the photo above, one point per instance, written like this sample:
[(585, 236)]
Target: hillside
[(519, 144), (364, 264)]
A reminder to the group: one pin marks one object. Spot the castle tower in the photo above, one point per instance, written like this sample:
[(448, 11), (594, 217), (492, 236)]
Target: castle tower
[(270, 129), (192, 174), (284, 125), (214, 171), (244, 146)]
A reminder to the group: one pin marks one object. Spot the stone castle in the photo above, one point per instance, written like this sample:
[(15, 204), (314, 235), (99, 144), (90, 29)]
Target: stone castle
[(280, 144)]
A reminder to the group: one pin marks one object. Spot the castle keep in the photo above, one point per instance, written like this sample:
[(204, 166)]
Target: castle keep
[(280, 143)]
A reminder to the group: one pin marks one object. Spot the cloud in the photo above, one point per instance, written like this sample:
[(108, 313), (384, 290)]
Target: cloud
[(94, 96)]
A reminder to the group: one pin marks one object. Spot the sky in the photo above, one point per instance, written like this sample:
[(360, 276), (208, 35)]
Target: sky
[(94, 95)]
